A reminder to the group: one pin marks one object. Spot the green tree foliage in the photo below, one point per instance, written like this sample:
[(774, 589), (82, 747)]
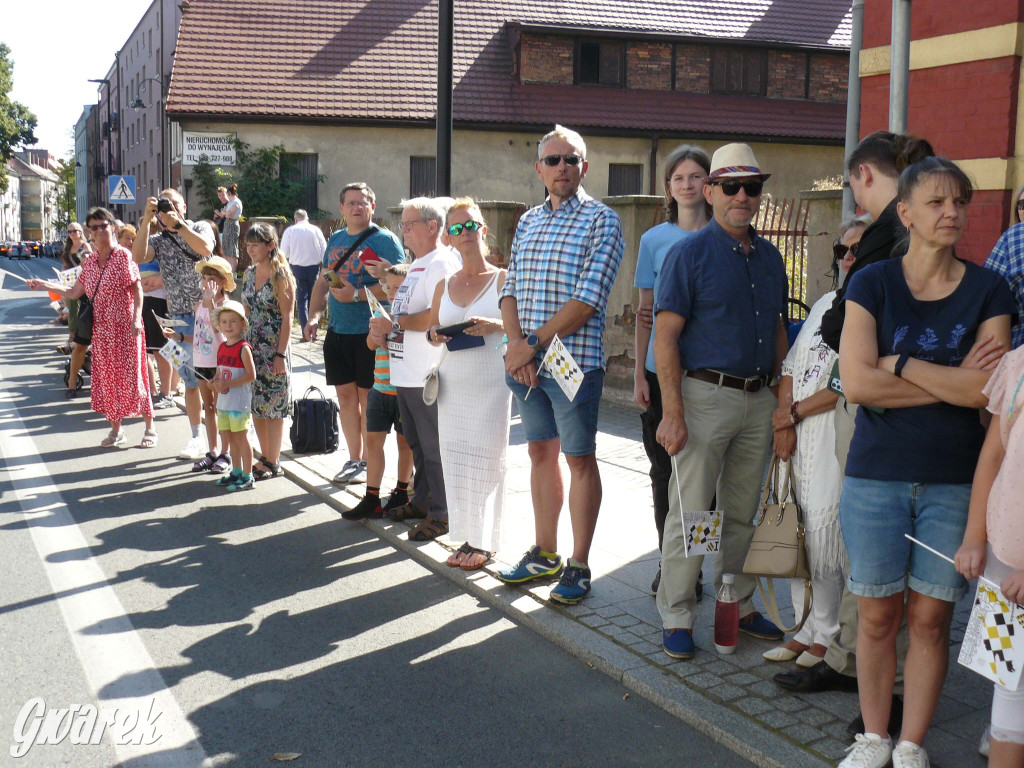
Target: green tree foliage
[(65, 194), (17, 124), (265, 180)]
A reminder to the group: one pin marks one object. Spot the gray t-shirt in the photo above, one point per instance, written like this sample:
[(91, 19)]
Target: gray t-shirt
[(178, 267)]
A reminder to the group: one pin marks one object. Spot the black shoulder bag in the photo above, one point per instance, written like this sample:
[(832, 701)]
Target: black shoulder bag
[(83, 330)]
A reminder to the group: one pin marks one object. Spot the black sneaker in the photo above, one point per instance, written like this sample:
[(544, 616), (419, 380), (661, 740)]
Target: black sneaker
[(397, 498), (368, 508)]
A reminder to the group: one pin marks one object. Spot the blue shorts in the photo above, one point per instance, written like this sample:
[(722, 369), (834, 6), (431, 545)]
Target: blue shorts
[(549, 413), (875, 515), (187, 373)]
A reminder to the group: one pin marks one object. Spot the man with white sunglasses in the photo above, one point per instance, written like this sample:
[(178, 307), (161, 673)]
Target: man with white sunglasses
[(564, 259)]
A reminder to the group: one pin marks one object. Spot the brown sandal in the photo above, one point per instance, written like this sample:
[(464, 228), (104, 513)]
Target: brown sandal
[(469, 564), (457, 557), (429, 530), (407, 511)]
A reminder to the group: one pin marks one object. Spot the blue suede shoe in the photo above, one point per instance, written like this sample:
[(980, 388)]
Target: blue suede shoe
[(678, 643), (756, 625)]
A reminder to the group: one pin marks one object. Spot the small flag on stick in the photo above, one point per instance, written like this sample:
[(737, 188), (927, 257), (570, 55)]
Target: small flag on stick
[(563, 368)]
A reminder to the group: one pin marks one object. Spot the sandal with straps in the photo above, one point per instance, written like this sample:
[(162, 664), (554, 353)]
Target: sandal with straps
[(483, 557), (457, 557), (205, 463), (149, 439), (429, 530), (272, 470), (114, 439), (407, 511)]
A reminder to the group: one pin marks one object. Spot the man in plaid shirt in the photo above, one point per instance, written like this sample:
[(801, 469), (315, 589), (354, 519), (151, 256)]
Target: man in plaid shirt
[(565, 256)]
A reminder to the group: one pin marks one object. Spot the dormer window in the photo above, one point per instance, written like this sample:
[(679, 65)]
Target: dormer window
[(600, 62)]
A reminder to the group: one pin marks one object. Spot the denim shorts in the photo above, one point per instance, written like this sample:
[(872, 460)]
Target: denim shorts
[(187, 373), (876, 515), (382, 412), (548, 413)]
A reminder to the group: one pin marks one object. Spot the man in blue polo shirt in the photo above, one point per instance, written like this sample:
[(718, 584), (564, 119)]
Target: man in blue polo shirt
[(719, 340)]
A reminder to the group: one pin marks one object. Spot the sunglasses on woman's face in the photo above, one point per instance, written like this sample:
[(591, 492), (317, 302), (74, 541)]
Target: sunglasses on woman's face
[(470, 226), (839, 250)]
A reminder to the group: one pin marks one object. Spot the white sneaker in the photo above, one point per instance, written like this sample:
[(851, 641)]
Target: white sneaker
[(868, 751), (353, 473), (908, 755), (193, 449)]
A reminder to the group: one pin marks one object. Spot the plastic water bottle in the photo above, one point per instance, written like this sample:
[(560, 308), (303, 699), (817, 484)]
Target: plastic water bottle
[(727, 616)]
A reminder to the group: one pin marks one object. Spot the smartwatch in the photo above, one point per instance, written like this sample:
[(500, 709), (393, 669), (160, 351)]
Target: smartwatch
[(534, 342), (900, 362)]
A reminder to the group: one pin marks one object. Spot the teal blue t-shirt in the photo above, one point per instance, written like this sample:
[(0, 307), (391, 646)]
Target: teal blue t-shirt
[(354, 317)]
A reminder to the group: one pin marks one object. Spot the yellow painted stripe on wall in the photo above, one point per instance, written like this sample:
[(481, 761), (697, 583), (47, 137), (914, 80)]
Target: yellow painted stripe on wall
[(958, 48)]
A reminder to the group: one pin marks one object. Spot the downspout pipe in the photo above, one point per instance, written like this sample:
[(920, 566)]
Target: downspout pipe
[(899, 66), (853, 99)]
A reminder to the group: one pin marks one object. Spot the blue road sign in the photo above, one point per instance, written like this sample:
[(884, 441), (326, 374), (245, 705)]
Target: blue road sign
[(121, 189)]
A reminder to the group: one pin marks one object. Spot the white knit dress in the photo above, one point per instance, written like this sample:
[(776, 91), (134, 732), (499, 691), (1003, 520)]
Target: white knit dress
[(473, 405)]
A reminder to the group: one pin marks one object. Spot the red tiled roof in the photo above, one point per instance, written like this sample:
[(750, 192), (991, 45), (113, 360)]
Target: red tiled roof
[(356, 60)]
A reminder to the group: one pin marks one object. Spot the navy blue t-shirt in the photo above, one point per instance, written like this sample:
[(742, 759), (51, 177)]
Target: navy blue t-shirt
[(936, 443)]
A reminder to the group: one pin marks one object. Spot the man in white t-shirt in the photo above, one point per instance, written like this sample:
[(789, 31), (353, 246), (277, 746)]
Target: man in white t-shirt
[(303, 244), (412, 357)]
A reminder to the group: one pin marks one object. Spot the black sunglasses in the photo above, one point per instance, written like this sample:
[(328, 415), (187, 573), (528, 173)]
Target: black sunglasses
[(470, 226), (554, 160), (839, 249), (752, 188)]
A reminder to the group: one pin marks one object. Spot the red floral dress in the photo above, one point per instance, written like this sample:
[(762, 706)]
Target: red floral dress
[(120, 376)]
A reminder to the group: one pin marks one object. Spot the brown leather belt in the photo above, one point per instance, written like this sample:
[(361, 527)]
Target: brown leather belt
[(725, 380)]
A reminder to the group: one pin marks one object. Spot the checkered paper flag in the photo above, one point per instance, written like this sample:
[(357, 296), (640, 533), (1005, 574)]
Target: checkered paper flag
[(703, 532), (174, 353), (563, 368), (376, 308), (993, 644), (68, 277)]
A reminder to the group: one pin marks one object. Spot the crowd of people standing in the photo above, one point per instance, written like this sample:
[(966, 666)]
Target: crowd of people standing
[(919, 339)]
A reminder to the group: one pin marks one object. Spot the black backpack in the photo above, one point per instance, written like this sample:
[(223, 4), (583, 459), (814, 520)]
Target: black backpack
[(314, 424)]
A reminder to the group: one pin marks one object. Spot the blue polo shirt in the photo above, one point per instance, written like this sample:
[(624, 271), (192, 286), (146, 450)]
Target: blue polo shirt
[(731, 301)]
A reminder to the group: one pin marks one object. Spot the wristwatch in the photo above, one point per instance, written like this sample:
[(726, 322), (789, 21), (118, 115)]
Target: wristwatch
[(395, 326), (900, 362), (534, 342), (278, 354), (178, 226)]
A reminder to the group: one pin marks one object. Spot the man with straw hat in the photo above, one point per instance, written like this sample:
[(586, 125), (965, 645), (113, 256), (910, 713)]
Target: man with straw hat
[(719, 341)]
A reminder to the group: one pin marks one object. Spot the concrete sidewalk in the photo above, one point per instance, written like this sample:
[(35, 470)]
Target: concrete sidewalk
[(617, 628)]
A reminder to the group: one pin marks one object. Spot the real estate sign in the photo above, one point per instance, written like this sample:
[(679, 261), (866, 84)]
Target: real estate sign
[(219, 148)]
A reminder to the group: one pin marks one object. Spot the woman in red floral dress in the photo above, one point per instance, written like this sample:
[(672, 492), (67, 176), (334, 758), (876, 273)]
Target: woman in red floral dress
[(120, 377)]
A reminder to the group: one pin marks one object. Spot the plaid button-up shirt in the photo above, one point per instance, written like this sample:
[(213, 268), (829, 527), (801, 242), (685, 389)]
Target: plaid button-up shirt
[(1007, 258), (573, 252)]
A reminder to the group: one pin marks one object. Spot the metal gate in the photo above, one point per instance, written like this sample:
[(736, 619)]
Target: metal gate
[(784, 223)]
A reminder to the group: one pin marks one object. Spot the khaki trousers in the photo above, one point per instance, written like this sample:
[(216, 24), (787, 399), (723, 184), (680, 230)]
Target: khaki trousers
[(726, 452), (842, 653)]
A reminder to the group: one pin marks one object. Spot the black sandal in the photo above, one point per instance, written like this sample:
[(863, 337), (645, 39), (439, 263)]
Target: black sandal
[(272, 470), (465, 549), (429, 530)]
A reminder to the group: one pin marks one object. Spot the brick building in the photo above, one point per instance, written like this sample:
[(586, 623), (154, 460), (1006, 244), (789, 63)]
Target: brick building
[(964, 97), (350, 93)]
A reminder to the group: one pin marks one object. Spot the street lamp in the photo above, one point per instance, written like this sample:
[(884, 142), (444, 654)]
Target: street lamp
[(137, 103)]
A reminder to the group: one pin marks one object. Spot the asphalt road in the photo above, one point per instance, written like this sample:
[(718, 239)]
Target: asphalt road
[(253, 623)]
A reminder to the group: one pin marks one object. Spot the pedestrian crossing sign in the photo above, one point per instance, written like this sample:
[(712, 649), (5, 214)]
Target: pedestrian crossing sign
[(121, 189)]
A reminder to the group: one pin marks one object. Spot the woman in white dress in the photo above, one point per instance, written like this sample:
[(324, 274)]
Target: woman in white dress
[(806, 403), (473, 402)]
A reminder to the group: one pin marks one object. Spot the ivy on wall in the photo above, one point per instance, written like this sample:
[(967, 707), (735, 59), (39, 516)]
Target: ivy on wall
[(266, 182)]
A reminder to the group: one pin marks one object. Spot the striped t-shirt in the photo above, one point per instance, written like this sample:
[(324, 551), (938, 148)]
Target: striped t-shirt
[(382, 373)]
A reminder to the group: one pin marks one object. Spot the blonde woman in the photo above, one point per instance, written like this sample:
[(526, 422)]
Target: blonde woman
[(473, 402), (268, 293)]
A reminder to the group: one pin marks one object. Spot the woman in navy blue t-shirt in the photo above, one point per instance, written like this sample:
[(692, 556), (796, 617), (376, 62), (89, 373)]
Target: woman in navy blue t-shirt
[(921, 337)]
